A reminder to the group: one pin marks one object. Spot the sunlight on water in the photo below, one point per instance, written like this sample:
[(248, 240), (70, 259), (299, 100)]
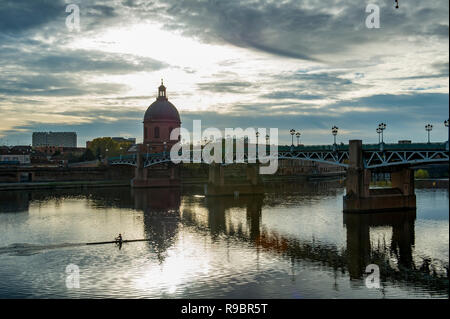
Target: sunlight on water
[(293, 242)]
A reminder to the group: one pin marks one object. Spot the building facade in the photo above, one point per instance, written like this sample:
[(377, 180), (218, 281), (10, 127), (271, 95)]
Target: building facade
[(61, 139), (160, 119), (15, 159)]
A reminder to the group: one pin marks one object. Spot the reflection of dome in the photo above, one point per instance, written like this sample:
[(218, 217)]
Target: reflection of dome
[(162, 109)]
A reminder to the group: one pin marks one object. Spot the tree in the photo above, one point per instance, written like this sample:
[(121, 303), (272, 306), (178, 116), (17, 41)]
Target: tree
[(88, 155), (99, 146), (421, 174)]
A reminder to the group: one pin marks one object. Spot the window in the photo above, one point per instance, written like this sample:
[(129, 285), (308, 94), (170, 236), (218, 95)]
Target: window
[(156, 132)]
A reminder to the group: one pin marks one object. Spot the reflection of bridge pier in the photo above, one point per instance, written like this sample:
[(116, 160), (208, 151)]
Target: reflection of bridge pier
[(219, 205), (254, 209), (217, 185), (360, 197), (359, 248), (161, 216)]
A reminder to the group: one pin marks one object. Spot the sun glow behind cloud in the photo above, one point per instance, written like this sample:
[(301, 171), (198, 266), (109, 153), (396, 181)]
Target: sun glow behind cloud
[(302, 65)]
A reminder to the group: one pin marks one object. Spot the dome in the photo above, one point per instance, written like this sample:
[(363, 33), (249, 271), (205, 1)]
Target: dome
[(162, 109)]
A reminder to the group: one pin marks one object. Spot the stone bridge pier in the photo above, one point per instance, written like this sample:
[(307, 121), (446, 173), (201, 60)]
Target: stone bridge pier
[(217, 185), (360, 198), (163, 175)]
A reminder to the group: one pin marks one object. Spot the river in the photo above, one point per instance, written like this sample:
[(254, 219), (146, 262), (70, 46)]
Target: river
[(293, 242)]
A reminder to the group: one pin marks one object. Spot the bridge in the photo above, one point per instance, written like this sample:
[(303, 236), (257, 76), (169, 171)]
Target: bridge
[(373, 155), (358, 159)]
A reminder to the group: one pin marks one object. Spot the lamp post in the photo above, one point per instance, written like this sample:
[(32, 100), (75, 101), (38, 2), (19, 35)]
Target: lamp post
[(257, 140), (334, 131), (292, 131), (165, 146), (428, 128), (382, 127), (379, 135), (298, 137), (267, 138), (448, 131)]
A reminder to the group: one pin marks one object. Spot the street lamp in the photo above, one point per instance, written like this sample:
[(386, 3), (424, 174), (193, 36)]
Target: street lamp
[(267, 138), (298, 137), (257, 138), (448, 131), (382, 127), (428, 128), (292, 131), (334, 131), (379, 135)]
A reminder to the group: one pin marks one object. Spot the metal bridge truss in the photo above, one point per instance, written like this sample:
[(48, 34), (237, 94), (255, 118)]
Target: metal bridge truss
[(371, 158), (376, 159)]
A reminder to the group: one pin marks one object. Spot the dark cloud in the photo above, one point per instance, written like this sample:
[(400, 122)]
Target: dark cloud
[(89, 61), (44, 71), (50, 85), (22, 15), (297, 29), (428, 102)]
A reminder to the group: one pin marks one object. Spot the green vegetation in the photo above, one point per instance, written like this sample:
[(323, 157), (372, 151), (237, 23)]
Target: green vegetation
[(421, 174), (99, 147), (88, 155)]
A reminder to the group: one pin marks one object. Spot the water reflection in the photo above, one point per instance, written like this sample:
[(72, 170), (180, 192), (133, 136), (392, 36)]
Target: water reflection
[(161, 209), (14, 202), (360, 252), (261, 224)]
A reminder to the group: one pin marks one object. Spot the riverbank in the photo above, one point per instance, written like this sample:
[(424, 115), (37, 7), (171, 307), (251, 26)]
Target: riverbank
[(419, 183), (114, 183), (60, 185)]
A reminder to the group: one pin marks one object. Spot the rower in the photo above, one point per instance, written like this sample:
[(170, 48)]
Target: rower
[(119, 239)]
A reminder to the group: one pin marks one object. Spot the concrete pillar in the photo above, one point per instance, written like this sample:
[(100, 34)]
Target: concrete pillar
[(139, 171), (403, 180), (358, 178), (252, 171), (216, 174)]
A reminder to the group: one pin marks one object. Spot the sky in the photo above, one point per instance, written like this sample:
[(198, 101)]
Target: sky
[(306, 65)]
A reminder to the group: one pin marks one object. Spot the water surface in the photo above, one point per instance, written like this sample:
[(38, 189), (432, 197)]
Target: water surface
[(293, 242)]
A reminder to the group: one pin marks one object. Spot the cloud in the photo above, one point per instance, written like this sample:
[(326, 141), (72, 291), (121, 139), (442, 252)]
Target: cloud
[(225, 87), (74, 61), (292, 64), (297, 29), (23, 15)]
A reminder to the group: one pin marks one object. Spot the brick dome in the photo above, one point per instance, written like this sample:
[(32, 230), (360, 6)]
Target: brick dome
[(162, 109)]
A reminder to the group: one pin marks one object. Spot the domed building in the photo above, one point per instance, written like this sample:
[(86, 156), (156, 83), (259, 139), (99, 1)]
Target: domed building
[(160, 119)]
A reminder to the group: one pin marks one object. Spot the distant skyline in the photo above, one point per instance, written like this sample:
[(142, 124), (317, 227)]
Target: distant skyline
[(292, 64)]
